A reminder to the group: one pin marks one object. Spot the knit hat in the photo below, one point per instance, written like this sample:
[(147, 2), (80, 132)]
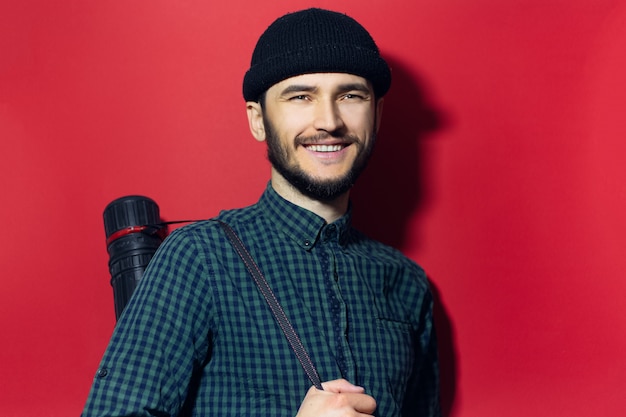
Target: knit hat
[(311, 41)]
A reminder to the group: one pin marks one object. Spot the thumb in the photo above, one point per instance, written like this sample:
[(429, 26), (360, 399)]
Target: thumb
[(342, 385)]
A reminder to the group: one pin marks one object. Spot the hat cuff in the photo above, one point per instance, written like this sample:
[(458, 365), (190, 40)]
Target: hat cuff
[(340, 58)]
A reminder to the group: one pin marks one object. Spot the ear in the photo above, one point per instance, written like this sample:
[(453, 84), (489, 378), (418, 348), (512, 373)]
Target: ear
[(255, 120), (379, 113)]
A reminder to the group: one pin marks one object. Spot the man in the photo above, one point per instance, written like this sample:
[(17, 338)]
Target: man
[(198, 338)]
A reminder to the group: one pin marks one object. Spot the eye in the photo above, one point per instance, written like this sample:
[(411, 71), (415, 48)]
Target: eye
[(352, 96), (299, 97)]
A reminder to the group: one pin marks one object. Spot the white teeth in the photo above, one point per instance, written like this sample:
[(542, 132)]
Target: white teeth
[(325, 148)]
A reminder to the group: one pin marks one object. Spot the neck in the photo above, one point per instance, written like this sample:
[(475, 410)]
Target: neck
[(328, 210)]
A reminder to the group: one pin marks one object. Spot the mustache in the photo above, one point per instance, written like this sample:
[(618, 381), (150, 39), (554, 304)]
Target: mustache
[(324, 136)]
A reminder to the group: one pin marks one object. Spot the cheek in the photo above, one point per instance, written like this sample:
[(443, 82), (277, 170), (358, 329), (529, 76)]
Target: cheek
[(359, 119), (288, 131)]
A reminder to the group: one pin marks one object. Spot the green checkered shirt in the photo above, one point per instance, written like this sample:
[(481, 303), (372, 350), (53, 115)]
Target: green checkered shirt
[(197, 337)]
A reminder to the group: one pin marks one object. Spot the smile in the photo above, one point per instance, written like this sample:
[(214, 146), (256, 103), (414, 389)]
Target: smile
[(325, 148)]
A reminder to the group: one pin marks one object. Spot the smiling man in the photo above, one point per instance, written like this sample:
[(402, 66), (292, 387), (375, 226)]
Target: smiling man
[(197, 338)]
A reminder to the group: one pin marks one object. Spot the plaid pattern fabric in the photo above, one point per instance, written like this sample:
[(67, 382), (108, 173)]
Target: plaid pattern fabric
[(198, 339)]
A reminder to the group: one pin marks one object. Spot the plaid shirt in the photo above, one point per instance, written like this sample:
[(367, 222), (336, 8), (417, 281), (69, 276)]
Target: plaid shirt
[(197, 337)]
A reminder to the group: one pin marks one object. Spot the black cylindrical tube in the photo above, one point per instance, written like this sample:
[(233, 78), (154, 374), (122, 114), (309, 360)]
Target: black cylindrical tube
[(130, 224)]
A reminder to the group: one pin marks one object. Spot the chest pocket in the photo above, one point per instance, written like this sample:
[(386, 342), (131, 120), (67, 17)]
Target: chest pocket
[(395, 343)]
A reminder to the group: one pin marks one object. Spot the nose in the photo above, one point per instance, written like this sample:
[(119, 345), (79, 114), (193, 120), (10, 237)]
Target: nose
[(327, 116)]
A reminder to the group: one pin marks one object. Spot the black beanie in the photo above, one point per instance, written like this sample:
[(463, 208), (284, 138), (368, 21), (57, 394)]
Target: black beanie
[(310, 41)]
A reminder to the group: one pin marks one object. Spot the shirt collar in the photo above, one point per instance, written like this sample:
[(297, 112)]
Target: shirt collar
[(304, 227)]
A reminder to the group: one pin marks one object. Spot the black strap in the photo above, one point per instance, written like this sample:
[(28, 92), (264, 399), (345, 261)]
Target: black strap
[(277, 310)]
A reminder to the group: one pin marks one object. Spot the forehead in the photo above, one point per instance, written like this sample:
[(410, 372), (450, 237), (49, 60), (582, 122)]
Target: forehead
[(322, 81)]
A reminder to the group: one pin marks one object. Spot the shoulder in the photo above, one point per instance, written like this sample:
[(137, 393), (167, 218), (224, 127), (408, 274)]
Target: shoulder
[(376, 250), (208, 233)]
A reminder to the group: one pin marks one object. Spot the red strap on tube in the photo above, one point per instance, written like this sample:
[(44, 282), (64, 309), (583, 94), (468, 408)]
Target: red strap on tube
[(124, 232)]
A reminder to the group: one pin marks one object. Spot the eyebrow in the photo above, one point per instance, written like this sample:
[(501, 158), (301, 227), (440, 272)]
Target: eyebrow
[(305, 88), (298, 88), (355, 87)]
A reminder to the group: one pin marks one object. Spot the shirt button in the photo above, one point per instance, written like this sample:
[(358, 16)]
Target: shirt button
[(307, 243), (102, 372)]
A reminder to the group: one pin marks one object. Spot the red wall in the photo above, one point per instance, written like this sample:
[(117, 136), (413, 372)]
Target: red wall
[(499, 169)]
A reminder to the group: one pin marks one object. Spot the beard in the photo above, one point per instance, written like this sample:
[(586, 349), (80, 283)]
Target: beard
[(315, 188)]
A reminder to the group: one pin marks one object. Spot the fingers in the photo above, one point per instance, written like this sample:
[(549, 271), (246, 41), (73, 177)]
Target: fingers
[(361, 403), (339, 398)]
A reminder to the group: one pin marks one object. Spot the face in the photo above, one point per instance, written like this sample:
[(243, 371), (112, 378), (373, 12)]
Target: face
[(320, 130)]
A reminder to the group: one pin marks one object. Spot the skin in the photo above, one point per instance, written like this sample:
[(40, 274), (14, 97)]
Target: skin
[(339, 398), (333, 110), (322, 125)]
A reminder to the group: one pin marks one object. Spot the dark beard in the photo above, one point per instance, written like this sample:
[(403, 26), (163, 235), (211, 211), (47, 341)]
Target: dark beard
[(321, 190)]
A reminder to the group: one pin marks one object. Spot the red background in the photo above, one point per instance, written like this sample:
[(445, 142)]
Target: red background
[(499, 169)]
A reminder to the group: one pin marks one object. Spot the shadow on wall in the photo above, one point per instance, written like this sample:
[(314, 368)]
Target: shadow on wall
[(395, 186)]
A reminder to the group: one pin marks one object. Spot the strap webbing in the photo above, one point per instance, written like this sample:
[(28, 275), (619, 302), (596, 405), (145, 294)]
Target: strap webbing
[(272, 301)]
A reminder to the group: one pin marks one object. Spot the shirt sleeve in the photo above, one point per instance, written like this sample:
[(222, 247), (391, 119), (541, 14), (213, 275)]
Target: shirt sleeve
[(161, 339)]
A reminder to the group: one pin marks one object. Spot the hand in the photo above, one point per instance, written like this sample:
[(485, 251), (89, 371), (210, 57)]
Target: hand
[(339, 399)]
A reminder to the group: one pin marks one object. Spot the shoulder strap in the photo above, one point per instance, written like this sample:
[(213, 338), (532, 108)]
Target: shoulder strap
[(272, 301)]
